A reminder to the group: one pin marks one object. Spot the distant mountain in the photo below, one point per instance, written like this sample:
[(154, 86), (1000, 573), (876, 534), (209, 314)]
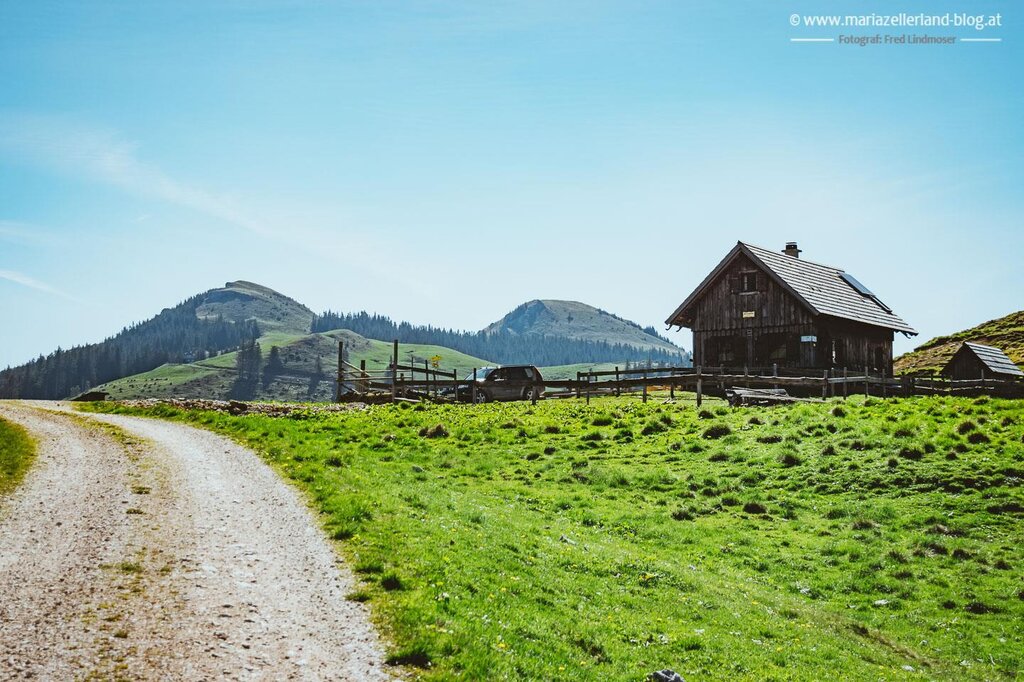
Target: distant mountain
[(507, 347), (575, 320), (244, 339), (240, 301), (1006, 333), (205, 325)]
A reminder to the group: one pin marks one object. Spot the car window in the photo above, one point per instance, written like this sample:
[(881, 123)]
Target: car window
[(517, 373)]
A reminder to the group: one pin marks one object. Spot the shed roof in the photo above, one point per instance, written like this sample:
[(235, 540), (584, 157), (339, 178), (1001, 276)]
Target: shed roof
[(823, 289), (995, 360)]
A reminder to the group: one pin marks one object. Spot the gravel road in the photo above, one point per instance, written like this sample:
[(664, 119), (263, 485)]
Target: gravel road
[(154, 550)]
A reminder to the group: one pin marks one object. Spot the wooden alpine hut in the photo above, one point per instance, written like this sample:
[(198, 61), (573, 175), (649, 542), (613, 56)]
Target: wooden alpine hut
[(761, 308)]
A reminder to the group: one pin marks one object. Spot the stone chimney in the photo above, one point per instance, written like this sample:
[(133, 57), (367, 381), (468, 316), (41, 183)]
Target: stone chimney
[(791, 250)]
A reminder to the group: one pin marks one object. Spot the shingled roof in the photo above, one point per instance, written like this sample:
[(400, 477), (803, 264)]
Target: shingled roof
[(823, 289), (995, 360)]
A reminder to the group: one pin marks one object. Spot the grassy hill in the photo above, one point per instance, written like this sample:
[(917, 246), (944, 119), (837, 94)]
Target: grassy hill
[(300, 381), (575, 320), (241, 300), (1006, 333), (856, 540), (214, 377)]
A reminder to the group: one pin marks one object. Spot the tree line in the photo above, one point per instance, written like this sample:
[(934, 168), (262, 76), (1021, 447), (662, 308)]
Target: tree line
[(500, 347), (175, 335)]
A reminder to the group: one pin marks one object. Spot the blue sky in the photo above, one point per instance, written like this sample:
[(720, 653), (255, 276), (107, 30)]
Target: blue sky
[(443, 162)]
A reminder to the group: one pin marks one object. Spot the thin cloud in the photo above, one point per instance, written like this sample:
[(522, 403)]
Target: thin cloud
[(15, 232), (103, 156), (26, 281)]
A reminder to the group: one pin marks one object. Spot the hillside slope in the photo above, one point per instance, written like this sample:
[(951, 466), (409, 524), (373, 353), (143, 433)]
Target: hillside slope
[(1006, 333), (310, 366), (203, 325), (575, 320)]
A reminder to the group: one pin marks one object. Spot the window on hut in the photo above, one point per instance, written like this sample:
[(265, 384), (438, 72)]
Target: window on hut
[(748, 282)]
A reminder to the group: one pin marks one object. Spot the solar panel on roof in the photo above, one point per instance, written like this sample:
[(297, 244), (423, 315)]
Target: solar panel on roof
[(855, 283)]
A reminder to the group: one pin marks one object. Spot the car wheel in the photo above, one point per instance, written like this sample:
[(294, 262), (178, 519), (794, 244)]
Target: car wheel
[(481, 396), (528, 393)]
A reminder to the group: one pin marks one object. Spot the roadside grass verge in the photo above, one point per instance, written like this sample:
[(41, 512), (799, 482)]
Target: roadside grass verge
[(17, 450), (864, 539)]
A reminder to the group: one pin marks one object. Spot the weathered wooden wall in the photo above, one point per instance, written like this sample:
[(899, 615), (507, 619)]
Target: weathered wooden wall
[(964, 365), (765, 327)]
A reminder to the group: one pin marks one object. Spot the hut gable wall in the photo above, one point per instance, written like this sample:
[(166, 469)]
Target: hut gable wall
[(965, 365), (723, 305)]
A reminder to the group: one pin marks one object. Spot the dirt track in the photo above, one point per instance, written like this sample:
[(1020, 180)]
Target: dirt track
[(170, 554)]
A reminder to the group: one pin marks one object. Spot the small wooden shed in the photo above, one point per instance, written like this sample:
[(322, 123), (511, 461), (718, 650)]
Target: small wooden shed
[(976, 361), (91, 397), (760, 308)]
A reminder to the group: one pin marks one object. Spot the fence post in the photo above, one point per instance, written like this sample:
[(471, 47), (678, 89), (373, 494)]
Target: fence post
[(362, 375), (588, 388), (472, 389), (618, 389), (846, 386), (579, 380), (867, 385), (885, 386), (671, 384), (698, 386), (775, 374), (645, 385), (341, 371), (394, 370), (824, 385)]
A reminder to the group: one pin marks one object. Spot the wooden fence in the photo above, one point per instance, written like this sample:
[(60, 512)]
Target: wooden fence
[(406, 381)]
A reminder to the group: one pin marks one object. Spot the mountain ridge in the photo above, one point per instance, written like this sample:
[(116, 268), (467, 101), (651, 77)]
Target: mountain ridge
[(577, 320)]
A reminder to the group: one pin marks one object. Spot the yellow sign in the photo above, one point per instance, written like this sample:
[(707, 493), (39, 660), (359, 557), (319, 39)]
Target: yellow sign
[(749, 313)]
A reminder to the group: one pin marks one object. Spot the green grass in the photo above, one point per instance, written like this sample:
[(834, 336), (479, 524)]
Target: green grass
[(17, 450), (567, 542)]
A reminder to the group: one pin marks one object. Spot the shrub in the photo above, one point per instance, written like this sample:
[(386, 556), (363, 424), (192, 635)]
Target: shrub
[(911, 453), (653, 427), (789, 460), (682, 514), (838, 412), (755, 508), (768, 440), (717, 431), (705, 414), (602, 420), (966, 427), (436, 431), (977, 437)]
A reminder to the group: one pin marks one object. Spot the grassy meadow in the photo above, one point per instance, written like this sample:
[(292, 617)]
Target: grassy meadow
[(859, 540), (16, 453)]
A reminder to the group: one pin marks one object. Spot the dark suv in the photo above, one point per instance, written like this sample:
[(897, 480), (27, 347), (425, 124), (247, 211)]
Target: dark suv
[(511, 382)]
